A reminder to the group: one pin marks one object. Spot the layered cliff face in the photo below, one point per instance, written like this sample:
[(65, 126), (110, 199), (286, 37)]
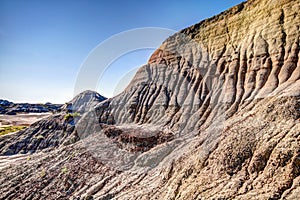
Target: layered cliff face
[(214, 114), (249, 52)]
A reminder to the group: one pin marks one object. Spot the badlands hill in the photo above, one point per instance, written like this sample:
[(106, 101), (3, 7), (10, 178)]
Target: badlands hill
[(214, 114)]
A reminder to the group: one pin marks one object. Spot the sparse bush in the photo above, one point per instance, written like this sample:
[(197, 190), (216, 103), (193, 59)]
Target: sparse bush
[(64, 170), (43, 173), (40, 137)]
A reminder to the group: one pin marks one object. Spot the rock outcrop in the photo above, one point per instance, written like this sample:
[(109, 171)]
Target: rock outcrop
[(214, 114)]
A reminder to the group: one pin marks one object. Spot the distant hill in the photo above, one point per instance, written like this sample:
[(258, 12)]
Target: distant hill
[(10, 108), (80, 103), (83, 102)]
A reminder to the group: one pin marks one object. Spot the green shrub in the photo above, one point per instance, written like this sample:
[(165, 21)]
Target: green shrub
[(70, 116)]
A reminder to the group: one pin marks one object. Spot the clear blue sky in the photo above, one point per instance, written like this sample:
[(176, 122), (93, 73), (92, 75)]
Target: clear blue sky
[(44, 42)]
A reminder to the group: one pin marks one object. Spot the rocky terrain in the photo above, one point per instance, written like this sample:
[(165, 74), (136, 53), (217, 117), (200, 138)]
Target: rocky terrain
[(214, 114), (51, 131), (10, 108)]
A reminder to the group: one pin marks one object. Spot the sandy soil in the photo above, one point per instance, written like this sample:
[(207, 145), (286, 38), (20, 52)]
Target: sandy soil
[(21, 119)]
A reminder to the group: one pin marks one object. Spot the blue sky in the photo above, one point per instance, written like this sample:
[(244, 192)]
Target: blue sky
[(43, 43)]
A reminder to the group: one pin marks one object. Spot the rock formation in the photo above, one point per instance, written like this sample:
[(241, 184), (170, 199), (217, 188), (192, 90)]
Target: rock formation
[(214, 114)]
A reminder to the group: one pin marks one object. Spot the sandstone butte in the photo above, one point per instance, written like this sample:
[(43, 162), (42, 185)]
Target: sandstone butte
[(214, 114)]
